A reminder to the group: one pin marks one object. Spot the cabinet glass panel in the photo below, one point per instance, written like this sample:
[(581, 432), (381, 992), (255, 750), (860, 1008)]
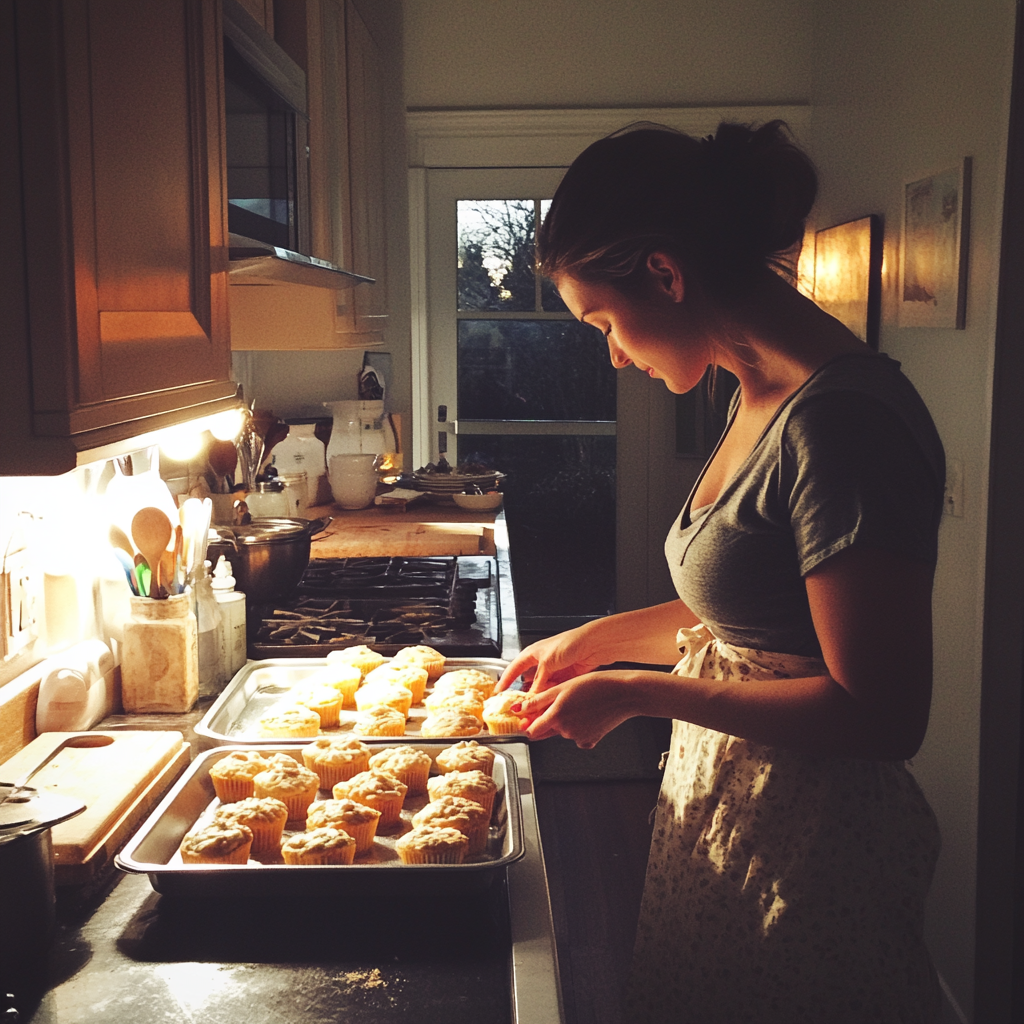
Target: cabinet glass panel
[(534, 369)]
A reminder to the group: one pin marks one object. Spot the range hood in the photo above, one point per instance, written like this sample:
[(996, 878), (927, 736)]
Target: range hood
[(254, 262)]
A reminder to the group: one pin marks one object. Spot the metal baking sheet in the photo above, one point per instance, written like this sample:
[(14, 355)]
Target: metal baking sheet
[(259, 685), (153, 850)]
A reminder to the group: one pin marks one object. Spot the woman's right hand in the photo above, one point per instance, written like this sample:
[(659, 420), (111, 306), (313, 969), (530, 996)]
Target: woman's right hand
[(553, 660)]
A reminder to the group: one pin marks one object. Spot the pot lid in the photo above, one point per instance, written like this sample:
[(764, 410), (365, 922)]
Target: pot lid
[(270, 529), (39, 810)]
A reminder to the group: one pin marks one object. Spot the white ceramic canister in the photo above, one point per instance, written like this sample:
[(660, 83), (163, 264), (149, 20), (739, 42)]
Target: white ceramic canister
[(160, 656), (354, 480), (268, 499), (302, 452)]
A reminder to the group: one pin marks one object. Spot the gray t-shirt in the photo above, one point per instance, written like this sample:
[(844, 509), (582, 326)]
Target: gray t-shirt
[(852, 457)]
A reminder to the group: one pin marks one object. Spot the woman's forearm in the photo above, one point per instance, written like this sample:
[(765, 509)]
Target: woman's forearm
[(815, 715), (646, 635)]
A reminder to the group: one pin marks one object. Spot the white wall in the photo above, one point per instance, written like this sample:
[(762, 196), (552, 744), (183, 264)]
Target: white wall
[(486, 53), (902, 90)]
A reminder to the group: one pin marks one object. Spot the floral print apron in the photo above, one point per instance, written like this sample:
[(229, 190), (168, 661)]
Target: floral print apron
[(781, 887)]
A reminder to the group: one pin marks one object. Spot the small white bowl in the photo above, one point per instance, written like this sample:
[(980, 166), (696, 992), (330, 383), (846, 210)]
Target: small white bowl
[(478, 501)]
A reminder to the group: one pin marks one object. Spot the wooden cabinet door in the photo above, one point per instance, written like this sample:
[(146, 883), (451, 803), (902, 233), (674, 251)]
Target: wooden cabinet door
[(124, 210)]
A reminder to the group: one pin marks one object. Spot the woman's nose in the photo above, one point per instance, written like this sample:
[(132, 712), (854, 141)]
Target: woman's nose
[(619, 358)]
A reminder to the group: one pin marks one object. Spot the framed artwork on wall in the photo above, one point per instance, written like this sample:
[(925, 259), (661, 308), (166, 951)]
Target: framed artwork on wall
[(848, 274), (933, 257)]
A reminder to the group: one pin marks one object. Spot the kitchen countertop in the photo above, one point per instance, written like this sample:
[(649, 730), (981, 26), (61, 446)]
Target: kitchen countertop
[(131, 955), (125, 954)]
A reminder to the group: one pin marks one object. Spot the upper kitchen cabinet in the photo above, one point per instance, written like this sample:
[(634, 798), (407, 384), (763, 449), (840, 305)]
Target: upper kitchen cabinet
[(114, 295), (341, 220)]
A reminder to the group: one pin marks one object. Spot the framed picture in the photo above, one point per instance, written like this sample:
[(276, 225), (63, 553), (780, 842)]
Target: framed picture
[(933, 257), (848, 274)]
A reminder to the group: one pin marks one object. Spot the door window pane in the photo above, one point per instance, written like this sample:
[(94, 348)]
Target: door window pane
[(534, 370), (496, 254), (560, 504)]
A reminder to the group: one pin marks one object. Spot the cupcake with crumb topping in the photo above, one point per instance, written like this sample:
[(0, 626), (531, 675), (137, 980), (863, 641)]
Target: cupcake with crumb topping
[(473, 785), (220, 842), (378, 790), (412, 677), (233, 773), (457, 812), (394, 695), (291, 783), (448, 721), (444, 845), (335, 758), (498, 716), (321, 846), (425, 657), (340, 676), (380, 720), (407, 764), (265, 817), (466, 756), (479, 680), (291, 721), (358, 820), (365, 659), (324, 700)]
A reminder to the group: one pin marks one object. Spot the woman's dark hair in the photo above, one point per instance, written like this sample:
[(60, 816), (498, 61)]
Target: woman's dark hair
[(725, 206)]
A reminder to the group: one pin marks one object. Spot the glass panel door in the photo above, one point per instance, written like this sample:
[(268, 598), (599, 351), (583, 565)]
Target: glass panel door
[(533, 392)]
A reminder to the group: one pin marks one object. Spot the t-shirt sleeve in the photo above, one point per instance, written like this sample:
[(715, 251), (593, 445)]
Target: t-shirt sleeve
[(851, 472)]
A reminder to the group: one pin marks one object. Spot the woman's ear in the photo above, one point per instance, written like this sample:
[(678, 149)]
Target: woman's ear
[(666, 275)]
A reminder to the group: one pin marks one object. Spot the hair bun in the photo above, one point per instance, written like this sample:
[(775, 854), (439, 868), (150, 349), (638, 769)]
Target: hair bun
[(766, 180)]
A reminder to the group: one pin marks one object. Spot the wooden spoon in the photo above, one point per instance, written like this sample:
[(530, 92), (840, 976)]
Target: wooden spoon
[(151, 531), (118, 539)]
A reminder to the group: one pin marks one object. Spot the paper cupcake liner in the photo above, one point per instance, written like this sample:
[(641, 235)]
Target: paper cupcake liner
[(331, 774), (230, 791), (504, 724), (339, 855), (266, 836), (380, 729), (240, 855), (363, 833), (297, 803), (441, 855), (329, 715)]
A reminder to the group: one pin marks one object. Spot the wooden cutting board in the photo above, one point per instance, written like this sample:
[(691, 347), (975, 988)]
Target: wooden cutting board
[(409, 540), (119, 783)]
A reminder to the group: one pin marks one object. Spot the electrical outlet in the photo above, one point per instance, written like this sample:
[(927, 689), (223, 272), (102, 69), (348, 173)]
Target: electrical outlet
[(953, 499), (17, 603)]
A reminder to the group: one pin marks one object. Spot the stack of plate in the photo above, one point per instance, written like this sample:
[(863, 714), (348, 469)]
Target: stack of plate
[(455, 483)]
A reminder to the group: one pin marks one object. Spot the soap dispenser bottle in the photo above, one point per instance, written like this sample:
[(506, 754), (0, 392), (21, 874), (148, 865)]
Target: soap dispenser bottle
[(232, 607)]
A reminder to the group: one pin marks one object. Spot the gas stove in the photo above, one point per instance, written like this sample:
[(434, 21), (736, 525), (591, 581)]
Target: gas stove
[(450, 604)]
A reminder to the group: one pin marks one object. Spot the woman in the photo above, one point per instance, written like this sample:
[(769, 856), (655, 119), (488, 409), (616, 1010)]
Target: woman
[(792, 850)]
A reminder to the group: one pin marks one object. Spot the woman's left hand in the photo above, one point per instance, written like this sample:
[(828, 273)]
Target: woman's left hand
[(583, 709)]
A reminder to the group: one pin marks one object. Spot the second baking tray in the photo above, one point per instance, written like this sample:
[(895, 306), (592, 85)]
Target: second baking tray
[(153, 850), (259, 685)]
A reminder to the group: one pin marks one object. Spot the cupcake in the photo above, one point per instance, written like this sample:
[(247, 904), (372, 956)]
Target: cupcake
[(374, 788), (340, 676), (321, 846), (425, 657), (457, 812), (232, 775), (220, 842), (473, 785), (288, 781), (335, 758), (449, 722), (380, 720), (432, 846), (362, 657), (412, 677), (394, 695), (497, 716), (480, 681), (324, 700), (289, 722), (466, 756), (406, 764), (467, 700), (265, 817), (358, 820)]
